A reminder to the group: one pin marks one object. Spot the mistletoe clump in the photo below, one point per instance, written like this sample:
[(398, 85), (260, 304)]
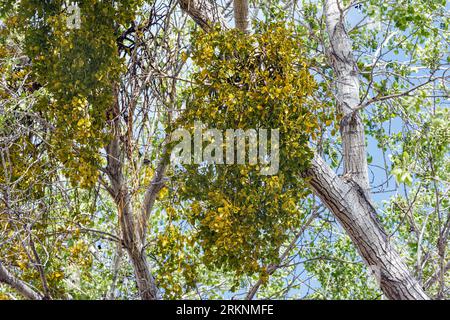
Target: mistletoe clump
[(241, 218), (79, 68)]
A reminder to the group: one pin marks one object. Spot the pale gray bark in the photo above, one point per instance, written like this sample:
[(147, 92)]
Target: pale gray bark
[(347, 95), (241, 15), (355, 212), (24, 289), (349, 198)]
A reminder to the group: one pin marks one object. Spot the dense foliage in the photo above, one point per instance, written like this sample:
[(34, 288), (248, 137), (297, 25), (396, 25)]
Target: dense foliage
[(134, 71)]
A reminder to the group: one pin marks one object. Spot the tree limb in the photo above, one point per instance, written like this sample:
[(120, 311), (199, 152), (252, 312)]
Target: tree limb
[(241, 15), (355, 212), (347, 94), (393, 96), (348, 198), (21, 287)]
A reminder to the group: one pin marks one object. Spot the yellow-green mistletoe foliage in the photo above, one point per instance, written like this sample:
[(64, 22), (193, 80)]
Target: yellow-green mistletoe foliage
[(259, 81), (78, 64)]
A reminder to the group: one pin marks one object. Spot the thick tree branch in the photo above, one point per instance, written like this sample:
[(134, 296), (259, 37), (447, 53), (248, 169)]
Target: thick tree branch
[(348, 198), (355, 212), (241, 14), (21, 287), (347, 94), (129, 224), (152, 192)]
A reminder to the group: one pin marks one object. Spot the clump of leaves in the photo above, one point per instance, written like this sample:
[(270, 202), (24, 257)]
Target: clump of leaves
[(239, 217), (79, 69)]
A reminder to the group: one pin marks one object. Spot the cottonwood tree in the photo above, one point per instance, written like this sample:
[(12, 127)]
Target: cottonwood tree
[(90, 177)]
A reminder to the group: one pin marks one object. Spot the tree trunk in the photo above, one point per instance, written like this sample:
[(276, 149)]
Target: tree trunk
[(133, 243), (144, 279), (241, 14), (349, 203), (349, 198), (347, 95)]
